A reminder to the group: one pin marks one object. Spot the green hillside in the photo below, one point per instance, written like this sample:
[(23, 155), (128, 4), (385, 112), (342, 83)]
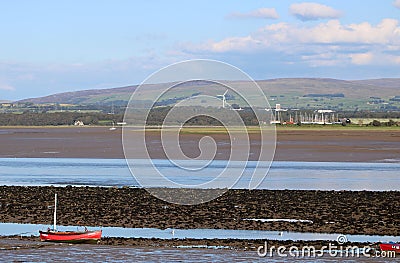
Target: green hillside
[(310, 93)]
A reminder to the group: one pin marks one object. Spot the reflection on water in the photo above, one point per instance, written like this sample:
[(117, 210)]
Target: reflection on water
[(282, 175), (99, 253)]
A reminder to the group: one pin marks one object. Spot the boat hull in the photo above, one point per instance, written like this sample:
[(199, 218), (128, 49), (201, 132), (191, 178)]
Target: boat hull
[(71, 236), (390, 247)]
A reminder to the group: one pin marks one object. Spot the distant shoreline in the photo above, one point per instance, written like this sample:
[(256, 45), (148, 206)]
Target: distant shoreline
[(200, 129)]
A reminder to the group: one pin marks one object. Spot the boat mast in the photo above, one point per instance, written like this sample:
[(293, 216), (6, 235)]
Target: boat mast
[(55, 211)]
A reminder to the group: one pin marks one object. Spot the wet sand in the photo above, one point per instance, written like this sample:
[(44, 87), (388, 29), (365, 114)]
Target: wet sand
[(31, 242), (135, 250), (346, 212), (341, 145)]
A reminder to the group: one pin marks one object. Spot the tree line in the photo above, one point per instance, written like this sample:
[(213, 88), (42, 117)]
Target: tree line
[(157, 115), (57, 118)]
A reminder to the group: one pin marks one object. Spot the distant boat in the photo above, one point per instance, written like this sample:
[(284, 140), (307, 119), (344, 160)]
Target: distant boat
[(113, 128), (391, 246), (52, 235)]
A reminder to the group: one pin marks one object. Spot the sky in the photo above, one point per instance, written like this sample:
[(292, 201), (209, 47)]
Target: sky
[(48, 46)]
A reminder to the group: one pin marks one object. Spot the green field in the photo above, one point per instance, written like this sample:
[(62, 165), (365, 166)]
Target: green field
[(256, 129)]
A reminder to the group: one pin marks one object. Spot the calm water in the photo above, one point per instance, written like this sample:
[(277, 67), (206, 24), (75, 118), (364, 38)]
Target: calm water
[(114, 172), (282, 175), (7, 229), (98, 253)]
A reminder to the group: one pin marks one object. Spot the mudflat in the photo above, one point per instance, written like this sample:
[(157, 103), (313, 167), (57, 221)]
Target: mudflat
[(27, 244), (336, 145)]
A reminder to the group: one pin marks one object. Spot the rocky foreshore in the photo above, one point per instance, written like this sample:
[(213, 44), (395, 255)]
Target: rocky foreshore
[(346, 212)]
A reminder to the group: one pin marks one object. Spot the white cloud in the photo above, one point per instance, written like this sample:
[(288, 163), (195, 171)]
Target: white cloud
[(19, 80), (6, 87), (396, 3), (281, 35), (387, 31), (361, 58), (375, 58), (328, 43), (388, 59), (313, 11), (233, 43), (265, 13), (323, 59)]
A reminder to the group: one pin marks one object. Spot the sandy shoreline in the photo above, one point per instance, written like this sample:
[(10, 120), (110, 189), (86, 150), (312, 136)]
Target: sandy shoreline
[(342, 145), (330, 211)]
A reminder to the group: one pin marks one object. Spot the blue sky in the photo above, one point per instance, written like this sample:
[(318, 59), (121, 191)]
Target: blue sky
[(55, 46)]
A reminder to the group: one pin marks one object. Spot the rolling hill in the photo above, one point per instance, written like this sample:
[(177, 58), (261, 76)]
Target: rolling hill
[(290, 92)]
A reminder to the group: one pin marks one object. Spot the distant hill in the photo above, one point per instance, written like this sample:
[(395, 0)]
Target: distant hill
[(351, 89), (290, 92), (388, 83), (83, 96)]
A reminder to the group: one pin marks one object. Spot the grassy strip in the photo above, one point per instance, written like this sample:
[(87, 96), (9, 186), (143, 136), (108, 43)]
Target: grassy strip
[(256, 129)]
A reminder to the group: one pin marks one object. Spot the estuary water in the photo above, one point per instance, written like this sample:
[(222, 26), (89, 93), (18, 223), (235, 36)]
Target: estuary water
[(282, 175), (98, 253), (115, 172), (9, 229)]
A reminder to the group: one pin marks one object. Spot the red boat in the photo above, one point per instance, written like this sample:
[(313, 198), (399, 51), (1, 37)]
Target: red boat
[(68, 236), (71, 236), (390, 247)]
